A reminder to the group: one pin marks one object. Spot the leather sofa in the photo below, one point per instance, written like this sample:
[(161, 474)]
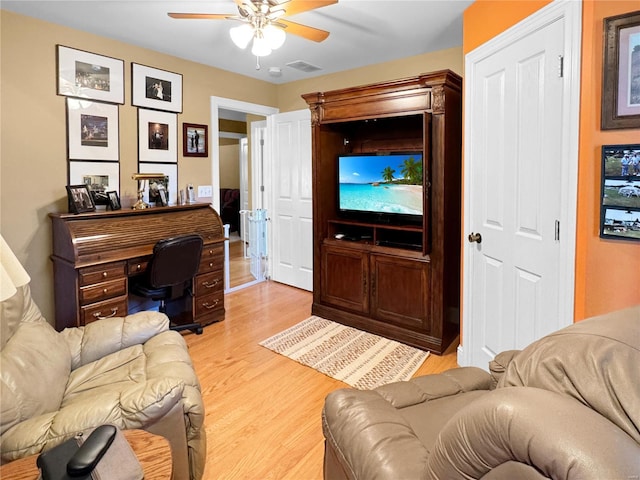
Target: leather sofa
[(565, 407), (132, 372)]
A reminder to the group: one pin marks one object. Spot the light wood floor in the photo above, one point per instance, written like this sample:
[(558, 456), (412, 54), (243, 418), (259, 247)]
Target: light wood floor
[(262, 409)]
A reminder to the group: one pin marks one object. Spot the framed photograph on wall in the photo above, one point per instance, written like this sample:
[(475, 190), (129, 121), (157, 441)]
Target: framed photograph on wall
[(92, 130), (157, 136), (620, 205), (621, 72), (80, 200), (195, 140), (169, 181), (90, 76), (99, 178), (156, 89)]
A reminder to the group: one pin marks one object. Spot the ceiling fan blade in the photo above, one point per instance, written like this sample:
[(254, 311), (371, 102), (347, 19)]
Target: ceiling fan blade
[(298, 6), (310, 33), (201, 16)]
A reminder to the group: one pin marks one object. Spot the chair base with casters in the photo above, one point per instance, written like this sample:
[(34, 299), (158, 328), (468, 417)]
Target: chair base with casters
[(169, 279)]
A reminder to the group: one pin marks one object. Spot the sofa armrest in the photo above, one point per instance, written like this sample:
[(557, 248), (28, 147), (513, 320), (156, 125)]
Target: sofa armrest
[(499, 365), (555, 434), (101, 338)]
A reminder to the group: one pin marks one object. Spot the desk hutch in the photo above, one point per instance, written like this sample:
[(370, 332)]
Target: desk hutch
[(398, 281), (94, 254)]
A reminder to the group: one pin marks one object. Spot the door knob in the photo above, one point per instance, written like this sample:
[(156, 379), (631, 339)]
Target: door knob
[(475, 237)]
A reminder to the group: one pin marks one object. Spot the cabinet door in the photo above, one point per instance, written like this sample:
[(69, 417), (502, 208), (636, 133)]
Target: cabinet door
[(400, 291), (345, 277)]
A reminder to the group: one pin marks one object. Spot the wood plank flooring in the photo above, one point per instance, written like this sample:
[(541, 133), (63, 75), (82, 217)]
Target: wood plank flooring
[(262, 409)]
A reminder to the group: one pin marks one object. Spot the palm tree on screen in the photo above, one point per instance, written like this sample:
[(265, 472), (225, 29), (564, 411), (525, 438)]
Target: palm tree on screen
[(412, 170), (387, 174)]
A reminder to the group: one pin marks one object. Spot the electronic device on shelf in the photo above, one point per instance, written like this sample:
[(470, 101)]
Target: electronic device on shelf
[(381, 188)]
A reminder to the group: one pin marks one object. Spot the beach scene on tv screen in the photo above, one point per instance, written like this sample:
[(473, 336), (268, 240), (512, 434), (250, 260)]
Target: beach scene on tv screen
[(381, 183)]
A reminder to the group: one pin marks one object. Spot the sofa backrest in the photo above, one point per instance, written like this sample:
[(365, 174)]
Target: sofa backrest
[(35, 361), (595, 361)]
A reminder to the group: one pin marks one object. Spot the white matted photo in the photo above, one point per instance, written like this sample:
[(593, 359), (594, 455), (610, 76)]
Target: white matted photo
[(99, 177), (169, 170), (92, 130), (157, 136), (155, 88), (88, 75)]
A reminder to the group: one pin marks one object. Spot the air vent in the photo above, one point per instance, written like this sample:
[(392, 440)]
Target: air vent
[(303, 66)]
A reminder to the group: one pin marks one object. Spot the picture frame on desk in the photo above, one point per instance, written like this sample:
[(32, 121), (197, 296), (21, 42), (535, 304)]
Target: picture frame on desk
[(89, 76), (80, 200), (114, 200), (621, 72), (99, 178)]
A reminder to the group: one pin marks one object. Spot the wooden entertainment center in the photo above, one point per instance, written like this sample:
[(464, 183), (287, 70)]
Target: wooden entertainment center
[(401, 281)]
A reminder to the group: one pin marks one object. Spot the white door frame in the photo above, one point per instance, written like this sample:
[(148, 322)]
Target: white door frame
[(571, 10), (228, 104)]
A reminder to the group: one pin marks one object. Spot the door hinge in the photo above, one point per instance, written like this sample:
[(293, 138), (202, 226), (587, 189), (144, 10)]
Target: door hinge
[(557, 230), (560, 66)]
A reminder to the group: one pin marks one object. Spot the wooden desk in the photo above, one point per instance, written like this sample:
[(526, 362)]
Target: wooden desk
[(94, 254), (153, 452)]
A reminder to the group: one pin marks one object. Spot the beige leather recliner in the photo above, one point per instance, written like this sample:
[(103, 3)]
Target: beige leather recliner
[(565, 407), (132, 372)]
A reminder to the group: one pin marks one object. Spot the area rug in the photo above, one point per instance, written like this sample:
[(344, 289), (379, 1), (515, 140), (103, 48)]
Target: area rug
[(358, 358)]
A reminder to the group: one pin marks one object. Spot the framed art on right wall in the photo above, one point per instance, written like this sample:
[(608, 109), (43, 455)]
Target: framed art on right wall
[(621, 72), (620, 205)]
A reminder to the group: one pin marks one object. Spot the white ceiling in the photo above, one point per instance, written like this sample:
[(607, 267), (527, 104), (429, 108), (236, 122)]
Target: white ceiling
[(362, 32)]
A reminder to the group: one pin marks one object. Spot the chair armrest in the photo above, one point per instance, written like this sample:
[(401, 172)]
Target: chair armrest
[(499, 365), (557, 435), (101, 338), (136, 407)]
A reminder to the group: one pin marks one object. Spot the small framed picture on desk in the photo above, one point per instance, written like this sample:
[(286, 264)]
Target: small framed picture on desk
[(80, 200)]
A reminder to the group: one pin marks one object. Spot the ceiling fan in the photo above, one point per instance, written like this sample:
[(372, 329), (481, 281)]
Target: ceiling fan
[(263, 22)]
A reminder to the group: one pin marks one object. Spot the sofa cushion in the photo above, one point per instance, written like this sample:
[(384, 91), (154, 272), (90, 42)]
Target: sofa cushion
[(592, 361), (36, 363)]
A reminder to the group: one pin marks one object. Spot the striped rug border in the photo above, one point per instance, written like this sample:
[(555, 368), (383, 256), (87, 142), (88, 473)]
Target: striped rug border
[(360, 359)]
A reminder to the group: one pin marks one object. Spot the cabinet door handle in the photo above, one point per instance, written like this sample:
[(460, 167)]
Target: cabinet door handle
[(211, 285), (99, 316), (373, 286), (208, 306)]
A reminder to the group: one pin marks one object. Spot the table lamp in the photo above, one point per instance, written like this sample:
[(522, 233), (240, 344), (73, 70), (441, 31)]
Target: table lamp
[(12, 273), (143, 180)]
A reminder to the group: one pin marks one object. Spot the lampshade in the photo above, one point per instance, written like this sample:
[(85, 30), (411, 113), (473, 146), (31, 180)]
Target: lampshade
[(274, 36), (260, 45), (12, 274), (242, 35)]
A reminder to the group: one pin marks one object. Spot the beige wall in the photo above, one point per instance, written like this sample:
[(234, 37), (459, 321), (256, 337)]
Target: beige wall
[(230, 166), (33, 171)]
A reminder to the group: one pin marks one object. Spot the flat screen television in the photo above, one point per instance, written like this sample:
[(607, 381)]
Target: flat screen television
[(381, 188)]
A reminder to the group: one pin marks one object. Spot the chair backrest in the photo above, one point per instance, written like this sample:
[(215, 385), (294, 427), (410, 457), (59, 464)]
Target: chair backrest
[(175, 260)]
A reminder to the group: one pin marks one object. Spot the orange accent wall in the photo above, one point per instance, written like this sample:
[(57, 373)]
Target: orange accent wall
[(607, 271)]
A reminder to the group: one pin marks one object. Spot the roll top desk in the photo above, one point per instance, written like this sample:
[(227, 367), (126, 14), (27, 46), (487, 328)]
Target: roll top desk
[(94, 254)]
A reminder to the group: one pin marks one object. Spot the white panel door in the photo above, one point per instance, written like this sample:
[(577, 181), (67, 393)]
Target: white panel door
[(291, 210), (514, 199)]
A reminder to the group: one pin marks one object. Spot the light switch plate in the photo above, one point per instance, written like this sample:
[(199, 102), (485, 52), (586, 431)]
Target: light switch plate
[(205, 190)]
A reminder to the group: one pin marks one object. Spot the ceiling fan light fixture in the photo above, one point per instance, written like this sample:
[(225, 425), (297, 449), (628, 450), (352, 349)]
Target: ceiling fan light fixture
[(274, 36), (242, 35), (260, 46)]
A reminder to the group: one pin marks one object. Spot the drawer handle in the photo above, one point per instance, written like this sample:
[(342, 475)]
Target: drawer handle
[(138, 267), (99, 316), (210, 264), (210, 252), (211, 285), (105, 290), (208, 306), (104, 274)]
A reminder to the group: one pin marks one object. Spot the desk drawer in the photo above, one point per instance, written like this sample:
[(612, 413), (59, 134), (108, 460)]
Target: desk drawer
[(116, 307), (103, 291), (212, 259), (209, 283), (137, 265), (101, 273), (204, 305)]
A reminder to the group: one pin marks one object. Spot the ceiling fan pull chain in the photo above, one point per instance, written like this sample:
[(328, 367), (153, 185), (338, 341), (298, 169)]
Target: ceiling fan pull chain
[(257, 62)]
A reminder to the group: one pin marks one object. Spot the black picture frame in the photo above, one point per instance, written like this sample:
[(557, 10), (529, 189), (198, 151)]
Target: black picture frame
[(114, 200), (80, 200), (620, 92), (620, 192)]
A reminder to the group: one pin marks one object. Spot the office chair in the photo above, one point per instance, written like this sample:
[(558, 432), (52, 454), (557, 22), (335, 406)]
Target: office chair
[(169, 275)]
